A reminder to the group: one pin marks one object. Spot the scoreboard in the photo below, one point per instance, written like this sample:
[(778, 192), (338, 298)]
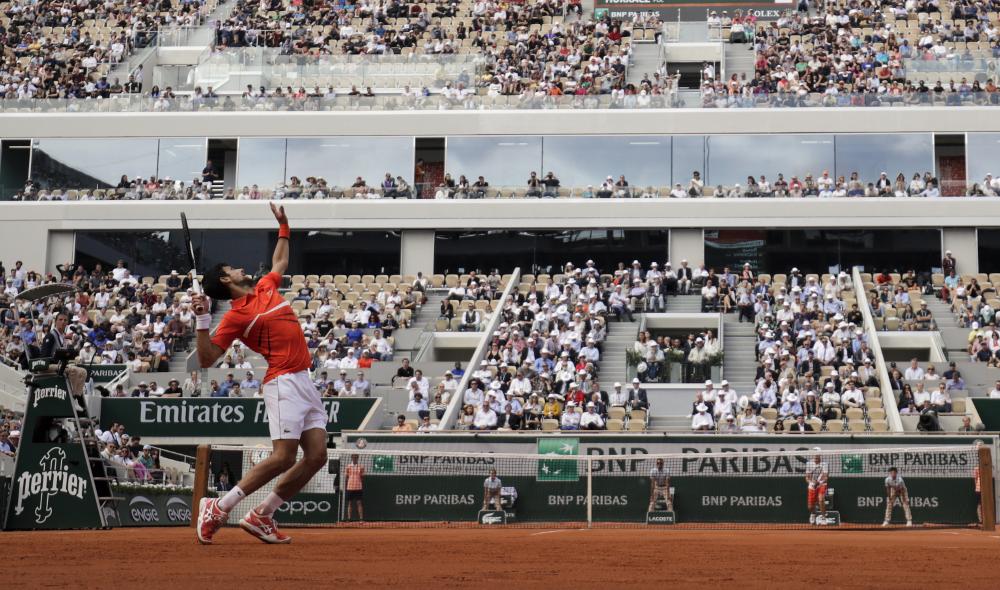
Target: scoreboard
[(691, 10)]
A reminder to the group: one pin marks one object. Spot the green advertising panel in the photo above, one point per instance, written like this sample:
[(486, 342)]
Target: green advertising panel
[(697, 499), (104, 373), (52, 486), (558, 469), (153, 508), (989, 412), (218, 417), (306, 508)]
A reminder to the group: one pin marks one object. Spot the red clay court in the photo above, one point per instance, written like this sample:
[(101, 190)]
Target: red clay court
[(150, 558)]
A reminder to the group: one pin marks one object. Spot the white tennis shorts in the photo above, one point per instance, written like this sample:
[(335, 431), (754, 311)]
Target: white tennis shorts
[(293, 406)]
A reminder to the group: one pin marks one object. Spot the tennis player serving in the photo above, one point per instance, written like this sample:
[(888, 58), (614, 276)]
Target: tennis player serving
[(262, 319)]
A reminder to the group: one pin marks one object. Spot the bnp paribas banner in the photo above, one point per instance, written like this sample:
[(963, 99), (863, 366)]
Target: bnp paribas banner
[(626, 499), (104, 373), (217, 417), (616, 449)]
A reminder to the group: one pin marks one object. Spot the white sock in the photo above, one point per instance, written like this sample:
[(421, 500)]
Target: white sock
[(271, 503), (231, 499)]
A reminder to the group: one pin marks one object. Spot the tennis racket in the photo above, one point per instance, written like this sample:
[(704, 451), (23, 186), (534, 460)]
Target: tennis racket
[(190, 251)]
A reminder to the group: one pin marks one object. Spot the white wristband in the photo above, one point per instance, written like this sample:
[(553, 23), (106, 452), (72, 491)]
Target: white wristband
[(203, 321)]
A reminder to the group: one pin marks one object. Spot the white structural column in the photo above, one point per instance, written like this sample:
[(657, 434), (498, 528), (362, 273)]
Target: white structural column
[(964, 245), (62, 249), (687, 244), (416, 252)]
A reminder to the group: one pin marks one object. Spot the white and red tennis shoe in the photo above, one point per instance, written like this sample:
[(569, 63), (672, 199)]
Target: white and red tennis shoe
[(210, 519), (264, 528)]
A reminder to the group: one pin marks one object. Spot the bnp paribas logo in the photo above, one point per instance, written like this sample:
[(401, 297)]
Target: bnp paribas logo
[(551, 468), (52, 479)]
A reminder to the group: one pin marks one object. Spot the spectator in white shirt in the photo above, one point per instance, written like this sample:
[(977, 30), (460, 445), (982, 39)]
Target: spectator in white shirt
[(590, 419), (913, 372), (418, 379), (941, 399), (570, 418), (852, 397), (995, 394), (486, 418), (702, 421), (920, 395), (418, 404), (473, 395)]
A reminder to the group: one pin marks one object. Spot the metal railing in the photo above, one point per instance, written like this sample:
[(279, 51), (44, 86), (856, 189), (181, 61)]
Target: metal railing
[(435, 101), (454, 410), (888, 403)]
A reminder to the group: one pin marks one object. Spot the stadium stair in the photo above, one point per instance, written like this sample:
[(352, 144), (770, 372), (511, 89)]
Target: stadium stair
[(955, 338), (739, 60), (684, 304), (427, 315), (645, 61), (621, 335), (739, 364)]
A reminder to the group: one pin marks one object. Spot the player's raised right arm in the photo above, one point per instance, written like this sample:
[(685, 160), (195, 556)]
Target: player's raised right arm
[(279, 261)]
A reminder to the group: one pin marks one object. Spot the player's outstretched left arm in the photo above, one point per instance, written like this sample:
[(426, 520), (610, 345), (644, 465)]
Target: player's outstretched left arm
[(279, 262)]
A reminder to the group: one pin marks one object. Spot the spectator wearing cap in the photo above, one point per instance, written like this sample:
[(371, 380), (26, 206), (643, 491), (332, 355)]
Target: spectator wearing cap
[(726, 400), (591, 419), (698, 359), (702, 420), (570, 418), (948, 264), (791, 406), (637, 396), (143, 390), (620, 398), (250, 382)]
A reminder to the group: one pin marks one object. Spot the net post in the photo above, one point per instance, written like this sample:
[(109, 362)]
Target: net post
[(986, 488), (201, 469), (590, 491)]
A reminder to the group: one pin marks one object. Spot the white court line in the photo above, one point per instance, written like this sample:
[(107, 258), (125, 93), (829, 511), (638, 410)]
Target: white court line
[(554, 531)]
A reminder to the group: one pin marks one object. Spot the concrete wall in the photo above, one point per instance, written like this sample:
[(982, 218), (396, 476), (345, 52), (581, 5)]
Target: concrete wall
[(687, 244), (535, 122), (964, 245), (417, 251), (41, 234)]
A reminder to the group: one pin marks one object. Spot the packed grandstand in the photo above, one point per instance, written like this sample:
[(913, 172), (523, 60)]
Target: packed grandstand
[(512, 226)]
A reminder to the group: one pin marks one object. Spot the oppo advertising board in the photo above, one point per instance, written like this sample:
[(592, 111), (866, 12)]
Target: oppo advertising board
[(688, 10)]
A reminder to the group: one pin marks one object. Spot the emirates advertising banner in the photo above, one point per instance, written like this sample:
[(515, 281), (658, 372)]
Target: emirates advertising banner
[(218, 417)]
